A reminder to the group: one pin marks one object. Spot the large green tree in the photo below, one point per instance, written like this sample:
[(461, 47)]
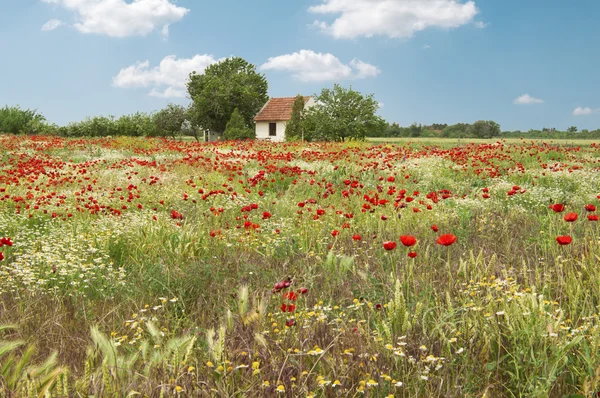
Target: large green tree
[(169, 120), (341, 114), (237, 129), (223, 87), (294, 129), (484, 129)]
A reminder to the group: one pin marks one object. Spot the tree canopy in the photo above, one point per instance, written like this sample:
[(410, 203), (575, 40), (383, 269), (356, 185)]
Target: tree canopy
[(237, 129), (170, 119), (15, 120), (295, 126), (342, 114), (484, 129), (223, 87)]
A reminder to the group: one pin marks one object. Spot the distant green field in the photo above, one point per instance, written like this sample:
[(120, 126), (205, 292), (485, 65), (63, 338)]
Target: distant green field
[(462, 141)]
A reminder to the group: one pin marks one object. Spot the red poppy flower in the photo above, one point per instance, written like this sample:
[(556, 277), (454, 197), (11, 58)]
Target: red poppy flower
[(292, 296), (593, 217), (288, 307), (175, 215), (434, 228), (290, 323), (390, 245), (564, 240), (571, 217), (266, 215), (1, 256), (378, 307), (5, 241), (412, 254), (335, 233), (408, 240), (282, 285), (590, 207), (356, 237), (446, 240), (558, 207), (303, 290)]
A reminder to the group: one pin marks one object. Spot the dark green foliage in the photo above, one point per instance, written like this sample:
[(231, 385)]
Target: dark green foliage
[(15, 120), (342, 114), (458, 130), (225, 86), (294, 129), (394, 130), (437, 126), (169, 120), (484, 129), (237, 129), (415, 130), (136, 125)]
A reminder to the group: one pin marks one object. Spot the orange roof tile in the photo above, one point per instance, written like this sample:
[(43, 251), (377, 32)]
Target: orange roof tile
[(277, 109)]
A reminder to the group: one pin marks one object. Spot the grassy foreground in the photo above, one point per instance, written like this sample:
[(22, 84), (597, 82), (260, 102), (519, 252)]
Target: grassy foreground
[(146, 267)]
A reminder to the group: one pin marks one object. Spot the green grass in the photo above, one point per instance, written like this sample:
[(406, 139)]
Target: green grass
[(449, 142), (134, 299)]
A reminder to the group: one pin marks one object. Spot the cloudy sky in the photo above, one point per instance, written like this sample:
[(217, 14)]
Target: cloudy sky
[(523, 63)]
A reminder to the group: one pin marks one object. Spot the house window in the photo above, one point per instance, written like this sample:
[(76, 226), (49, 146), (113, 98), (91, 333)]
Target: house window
[(272, 129)]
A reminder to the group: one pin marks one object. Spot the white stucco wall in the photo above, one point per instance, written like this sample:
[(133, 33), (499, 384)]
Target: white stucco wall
[(262, 131), (262, 128)]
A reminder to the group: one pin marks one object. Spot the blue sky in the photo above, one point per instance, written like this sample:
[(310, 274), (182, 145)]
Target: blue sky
[(523, 63)]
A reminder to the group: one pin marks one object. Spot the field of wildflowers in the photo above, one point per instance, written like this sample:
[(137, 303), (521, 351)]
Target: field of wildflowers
[(158, 268)]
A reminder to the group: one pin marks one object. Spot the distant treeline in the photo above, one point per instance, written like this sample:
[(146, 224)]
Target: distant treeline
[(483, 129), (168, 122), (173, 121)]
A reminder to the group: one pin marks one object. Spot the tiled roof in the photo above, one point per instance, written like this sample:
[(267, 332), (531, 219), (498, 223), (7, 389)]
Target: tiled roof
[(277, 109)]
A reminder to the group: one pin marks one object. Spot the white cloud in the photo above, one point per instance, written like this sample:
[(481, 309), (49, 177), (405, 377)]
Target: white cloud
[(392, 18), (481, 25), (426, 47), (164, 32), (120, 18), (171, 72), (527, 99), (51, 25), (307, 65), (364, 69), (579, 111), (169, 92)]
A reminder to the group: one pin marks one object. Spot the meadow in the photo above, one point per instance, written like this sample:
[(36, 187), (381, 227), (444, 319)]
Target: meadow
[(160, 268)]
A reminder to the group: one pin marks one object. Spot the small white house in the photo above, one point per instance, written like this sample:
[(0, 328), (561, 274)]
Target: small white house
[(273, 117)]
